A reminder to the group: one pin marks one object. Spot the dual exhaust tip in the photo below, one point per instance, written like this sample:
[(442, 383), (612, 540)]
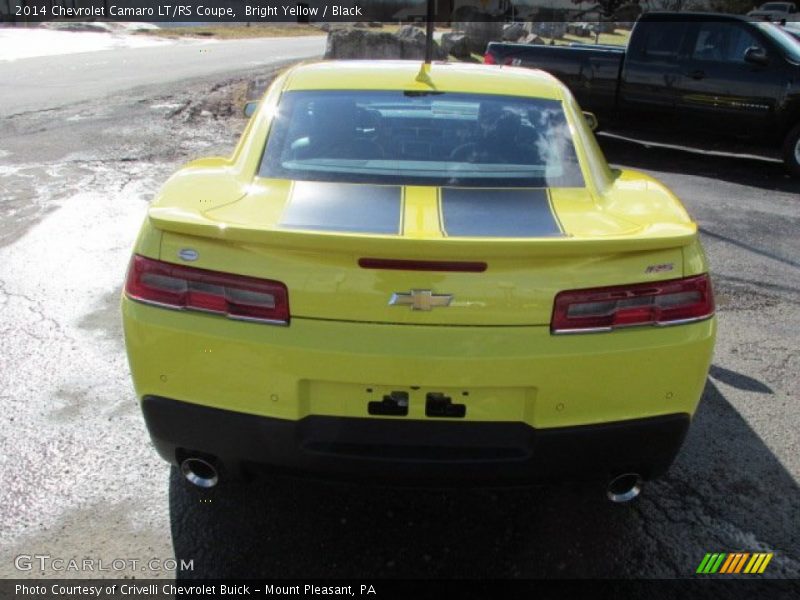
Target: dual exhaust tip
[(204, 474), (624, 488), (201, 472)]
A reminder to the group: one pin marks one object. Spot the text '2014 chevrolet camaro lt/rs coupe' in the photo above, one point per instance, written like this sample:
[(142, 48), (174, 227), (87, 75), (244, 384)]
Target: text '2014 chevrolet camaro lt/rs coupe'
[(421, 274)]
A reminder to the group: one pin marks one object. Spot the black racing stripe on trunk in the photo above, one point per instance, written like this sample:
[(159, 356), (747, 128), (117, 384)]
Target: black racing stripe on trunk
[(500, 213), (345, 207)]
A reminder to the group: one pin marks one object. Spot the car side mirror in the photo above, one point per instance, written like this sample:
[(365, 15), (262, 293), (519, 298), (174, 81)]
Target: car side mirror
[(756, 56), (591, 120), (250, 108)]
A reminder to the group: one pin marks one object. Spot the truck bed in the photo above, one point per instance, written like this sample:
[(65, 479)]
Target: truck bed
[(591, 72)]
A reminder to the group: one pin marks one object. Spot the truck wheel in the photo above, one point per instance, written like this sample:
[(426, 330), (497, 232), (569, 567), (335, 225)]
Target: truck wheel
[(791, 151)]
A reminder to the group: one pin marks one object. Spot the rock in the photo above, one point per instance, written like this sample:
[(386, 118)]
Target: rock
[(456, 44), (376, 24), (411, 33), (480, 33), (412, 43), (513, 31), (360, 43), (580, 29), (549, 29), (531, 38), (408, 43), (77, 26)]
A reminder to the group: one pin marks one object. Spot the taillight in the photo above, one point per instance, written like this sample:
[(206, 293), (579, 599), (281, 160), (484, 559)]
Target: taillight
[(235, 296), (489, 59), (656, 303)]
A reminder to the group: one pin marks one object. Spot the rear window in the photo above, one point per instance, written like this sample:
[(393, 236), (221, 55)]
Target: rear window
[(421, 138), (660, 41)]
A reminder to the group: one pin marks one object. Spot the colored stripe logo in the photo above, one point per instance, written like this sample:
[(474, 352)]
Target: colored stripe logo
[(734, 563)]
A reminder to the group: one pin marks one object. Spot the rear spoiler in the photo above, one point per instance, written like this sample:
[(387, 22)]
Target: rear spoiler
[(652, 237)]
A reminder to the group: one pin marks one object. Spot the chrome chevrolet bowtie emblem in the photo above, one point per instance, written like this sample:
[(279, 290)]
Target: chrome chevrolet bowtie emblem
[(420, 299)]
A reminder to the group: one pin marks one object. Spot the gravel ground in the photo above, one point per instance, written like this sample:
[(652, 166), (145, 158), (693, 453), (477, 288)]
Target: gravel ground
[(82, 481)]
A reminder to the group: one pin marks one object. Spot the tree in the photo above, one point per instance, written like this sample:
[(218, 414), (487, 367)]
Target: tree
[(608, 8), (733, 6)]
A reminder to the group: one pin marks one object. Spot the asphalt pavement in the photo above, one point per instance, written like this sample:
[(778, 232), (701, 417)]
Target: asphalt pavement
[(77, 170), (45, 82)]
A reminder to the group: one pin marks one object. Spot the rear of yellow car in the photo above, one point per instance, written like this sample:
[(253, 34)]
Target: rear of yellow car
[(421, 277)]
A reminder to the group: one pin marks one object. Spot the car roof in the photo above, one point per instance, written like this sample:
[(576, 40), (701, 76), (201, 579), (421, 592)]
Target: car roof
[(409, 75)]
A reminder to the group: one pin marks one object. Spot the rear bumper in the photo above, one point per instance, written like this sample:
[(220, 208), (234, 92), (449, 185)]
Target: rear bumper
[(415, 451), (537, 406), (335, 369)]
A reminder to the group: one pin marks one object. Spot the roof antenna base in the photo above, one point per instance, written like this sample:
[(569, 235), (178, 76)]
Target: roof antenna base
[(424, 74)]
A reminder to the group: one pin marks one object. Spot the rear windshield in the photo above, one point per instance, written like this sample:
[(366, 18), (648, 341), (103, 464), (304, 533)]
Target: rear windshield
[(421, 138)]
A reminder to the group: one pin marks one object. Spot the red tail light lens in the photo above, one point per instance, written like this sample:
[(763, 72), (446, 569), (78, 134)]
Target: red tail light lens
[(657, 303), (489, 59), (235, 296)]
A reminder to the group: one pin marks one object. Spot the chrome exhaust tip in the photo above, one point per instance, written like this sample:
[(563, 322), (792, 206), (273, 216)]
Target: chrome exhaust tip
[(624, 488), (200, 472)]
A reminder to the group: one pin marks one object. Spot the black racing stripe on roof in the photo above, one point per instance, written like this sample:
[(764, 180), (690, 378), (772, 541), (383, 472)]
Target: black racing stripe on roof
[(344, 207), (501, 213)]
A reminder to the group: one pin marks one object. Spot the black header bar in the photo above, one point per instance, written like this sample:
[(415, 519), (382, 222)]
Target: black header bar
[(310, 11), (382, 589)]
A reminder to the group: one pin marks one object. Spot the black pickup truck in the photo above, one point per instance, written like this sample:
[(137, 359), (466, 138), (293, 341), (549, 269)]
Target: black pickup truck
[(702, 76)]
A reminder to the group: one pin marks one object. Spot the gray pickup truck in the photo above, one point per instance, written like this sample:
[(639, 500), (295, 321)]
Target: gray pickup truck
[(702, 76)]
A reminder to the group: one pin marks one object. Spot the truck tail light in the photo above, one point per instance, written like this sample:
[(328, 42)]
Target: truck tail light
[(235, 296), (656, 303), (489, 59)]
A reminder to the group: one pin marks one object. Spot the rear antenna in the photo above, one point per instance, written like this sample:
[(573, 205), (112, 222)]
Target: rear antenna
[(431, 15), (424, 72)]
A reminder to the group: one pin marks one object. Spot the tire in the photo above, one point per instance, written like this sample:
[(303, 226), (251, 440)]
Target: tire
[(791, 151)]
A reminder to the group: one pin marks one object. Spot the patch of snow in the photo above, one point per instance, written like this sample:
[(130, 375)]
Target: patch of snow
[(107, 26), (7, 170), (18, 43)]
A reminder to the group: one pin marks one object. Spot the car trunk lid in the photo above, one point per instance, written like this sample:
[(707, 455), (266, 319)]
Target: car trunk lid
[(425, 255)]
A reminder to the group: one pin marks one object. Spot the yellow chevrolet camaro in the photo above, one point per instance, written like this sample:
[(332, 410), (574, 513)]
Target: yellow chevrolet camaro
[(418, 273)]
